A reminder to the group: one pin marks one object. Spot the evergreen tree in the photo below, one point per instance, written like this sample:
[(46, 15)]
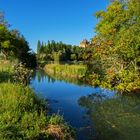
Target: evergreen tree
[(38, 46)]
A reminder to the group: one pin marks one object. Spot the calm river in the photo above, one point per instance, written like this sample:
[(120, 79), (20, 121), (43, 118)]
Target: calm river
[(74, 101)]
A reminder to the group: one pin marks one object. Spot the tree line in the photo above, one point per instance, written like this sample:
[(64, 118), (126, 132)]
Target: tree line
[(60, 52)]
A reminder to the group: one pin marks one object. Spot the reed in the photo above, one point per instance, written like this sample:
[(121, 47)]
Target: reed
[(72, 71)]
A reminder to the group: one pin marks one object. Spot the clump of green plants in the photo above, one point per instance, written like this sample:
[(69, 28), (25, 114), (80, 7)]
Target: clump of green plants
[(22, 74), (24, 116)]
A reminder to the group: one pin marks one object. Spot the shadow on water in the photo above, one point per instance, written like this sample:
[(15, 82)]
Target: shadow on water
[(116, 118)]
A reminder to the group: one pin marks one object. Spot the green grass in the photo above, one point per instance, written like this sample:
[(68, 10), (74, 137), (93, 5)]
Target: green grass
[(22, 115), (6, 66), (73, 71), (18, 114)]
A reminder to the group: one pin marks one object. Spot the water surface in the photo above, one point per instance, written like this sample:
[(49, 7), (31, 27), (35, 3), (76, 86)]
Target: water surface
[(76, 102)]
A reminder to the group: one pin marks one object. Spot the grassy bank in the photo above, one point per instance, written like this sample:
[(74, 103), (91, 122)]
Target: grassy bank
[(72, 71), (23, 115)]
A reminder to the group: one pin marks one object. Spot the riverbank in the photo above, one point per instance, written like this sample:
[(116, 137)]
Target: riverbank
[(23, 115), (71, 71)]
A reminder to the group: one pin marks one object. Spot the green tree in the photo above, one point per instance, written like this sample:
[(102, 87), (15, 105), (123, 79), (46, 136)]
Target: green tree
[(117, 47), (38, 46), (14, 45)]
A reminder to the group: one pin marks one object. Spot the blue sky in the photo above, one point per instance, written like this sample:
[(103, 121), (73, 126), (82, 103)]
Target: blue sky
[(62, 20)]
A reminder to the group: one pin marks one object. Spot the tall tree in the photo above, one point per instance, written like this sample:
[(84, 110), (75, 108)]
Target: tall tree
[(38, 46), (117, 47)]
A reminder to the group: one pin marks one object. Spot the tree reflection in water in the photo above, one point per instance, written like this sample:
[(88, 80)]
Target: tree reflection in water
[(42, 76), (116, 118)]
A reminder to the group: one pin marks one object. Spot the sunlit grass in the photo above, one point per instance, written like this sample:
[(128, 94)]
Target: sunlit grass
[(6, 66), (66, 70), (22, 115), (6, 71)]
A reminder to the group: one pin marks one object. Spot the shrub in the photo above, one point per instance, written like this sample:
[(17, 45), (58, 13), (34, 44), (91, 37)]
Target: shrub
[(22, 74)]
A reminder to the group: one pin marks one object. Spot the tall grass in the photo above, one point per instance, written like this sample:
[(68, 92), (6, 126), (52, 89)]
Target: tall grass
[(75, 71), (22, 115), (6, 66), (6, 71)]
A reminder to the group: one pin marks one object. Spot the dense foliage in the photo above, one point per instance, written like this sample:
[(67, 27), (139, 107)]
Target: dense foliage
[(14, 46), (115, 59)]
